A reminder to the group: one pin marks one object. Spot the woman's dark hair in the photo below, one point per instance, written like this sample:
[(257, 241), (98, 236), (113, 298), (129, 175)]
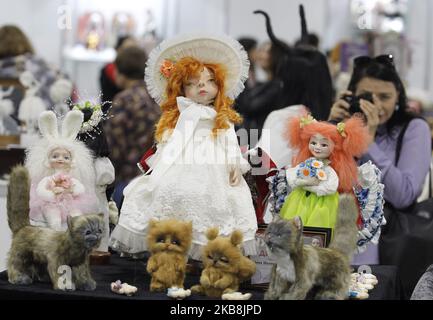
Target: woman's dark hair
[(131, 62), (384, 71), (248, 43), (306, 80), (302, 71), (121, 40), (13, 42)]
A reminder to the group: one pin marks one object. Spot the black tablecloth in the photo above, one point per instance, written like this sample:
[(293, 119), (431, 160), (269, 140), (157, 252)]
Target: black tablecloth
[(134, 273), (388, 286)]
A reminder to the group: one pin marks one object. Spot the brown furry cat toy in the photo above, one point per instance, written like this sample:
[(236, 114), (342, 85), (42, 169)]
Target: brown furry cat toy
[(36, 250), (225, 265), (301, 267), (168, 242)]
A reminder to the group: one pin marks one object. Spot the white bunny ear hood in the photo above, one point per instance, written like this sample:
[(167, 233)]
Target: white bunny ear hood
[(82, 157), (72, 124)]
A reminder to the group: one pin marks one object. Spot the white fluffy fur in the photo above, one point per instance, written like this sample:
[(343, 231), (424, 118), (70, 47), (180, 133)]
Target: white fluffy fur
[(206, 48), (82, 158), (48, 125)]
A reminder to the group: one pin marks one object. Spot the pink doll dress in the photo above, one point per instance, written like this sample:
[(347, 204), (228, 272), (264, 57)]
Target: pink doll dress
[(43, 201)]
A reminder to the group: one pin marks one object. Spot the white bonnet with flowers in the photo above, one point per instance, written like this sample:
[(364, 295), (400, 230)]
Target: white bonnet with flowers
[(205, 48)]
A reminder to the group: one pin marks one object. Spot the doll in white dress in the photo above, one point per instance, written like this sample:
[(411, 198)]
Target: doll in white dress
[(196, 173)]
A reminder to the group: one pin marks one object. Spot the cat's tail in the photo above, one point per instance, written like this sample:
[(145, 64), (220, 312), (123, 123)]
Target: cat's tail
[(346, 229), (18, 199)]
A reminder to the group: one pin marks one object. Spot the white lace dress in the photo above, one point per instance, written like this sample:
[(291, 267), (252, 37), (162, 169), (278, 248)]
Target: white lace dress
[(189, 181)]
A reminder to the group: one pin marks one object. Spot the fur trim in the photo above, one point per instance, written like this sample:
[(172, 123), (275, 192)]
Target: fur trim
[(205, 48)]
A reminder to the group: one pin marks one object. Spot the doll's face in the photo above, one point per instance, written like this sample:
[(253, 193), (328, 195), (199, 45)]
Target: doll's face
[(60, 158), (202, 89), (320, 147)]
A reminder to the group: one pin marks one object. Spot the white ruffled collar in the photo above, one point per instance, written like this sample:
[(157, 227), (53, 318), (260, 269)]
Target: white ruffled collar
[(206, 112)]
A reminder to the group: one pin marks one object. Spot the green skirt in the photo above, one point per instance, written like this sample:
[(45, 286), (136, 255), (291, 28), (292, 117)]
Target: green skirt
[(314, 210)]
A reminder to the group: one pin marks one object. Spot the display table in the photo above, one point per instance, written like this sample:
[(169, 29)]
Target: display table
[(134, 273)]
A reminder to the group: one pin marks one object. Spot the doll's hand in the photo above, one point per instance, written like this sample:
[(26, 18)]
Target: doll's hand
[(235, 176), (307, 182), (69, 190), (58, 190)]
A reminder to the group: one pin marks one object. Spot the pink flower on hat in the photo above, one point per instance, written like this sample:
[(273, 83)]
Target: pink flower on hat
[(166, 68)]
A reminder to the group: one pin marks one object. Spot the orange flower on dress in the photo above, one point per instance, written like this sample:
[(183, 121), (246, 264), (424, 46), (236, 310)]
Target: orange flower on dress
[(321, 175), (317, 164), (306, 172), (166, 68)]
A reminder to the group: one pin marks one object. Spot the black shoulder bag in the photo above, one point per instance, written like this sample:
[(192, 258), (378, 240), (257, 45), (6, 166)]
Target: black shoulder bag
[(407, 238)]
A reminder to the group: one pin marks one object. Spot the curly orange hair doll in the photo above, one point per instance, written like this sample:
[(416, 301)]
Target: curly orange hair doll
[(323, 168), (182, 72)]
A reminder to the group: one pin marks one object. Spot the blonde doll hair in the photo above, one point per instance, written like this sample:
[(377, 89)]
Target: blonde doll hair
[(184, 69)]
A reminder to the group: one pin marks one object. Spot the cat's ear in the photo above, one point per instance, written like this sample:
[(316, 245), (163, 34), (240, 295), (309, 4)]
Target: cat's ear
[(236, 237), (189, 226), (101, 217), (152, 223), (212, 233), (69, 222), (277, 218), (297, 222)]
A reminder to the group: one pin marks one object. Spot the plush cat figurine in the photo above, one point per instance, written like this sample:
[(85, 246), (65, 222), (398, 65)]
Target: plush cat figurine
[(225, 265), (424, 287), (168, 242), (301, 267), (35, 250)]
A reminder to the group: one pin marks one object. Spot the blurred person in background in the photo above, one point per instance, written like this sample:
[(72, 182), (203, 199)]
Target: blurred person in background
[(17, 55), (134, 114), (106, 79)]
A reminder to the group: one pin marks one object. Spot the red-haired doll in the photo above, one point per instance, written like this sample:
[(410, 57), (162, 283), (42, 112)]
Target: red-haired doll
[(323, 168), (196, 173)]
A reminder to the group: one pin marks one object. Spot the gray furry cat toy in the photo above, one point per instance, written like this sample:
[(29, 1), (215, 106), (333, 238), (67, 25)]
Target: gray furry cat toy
[(300, 268), (35, 250)]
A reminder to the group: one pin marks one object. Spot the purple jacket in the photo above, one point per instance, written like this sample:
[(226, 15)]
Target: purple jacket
[(404, 183)]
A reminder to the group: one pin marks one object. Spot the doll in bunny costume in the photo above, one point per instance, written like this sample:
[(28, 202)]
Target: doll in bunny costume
[(196, 173), (61, 173)]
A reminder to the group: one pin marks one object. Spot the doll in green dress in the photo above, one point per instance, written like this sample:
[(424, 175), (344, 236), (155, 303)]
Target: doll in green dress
[(323, 168)]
